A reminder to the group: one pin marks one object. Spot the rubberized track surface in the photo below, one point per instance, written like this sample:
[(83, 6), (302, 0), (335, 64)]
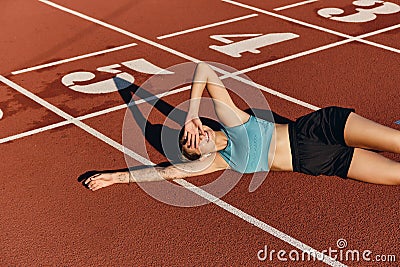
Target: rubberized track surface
[(51, 134)]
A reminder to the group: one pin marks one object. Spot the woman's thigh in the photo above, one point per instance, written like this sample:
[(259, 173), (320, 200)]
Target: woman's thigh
[(364, 133), (371, 167)]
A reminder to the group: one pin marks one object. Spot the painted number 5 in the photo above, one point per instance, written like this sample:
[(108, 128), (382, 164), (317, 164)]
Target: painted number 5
[(363, 14), (121, 81)]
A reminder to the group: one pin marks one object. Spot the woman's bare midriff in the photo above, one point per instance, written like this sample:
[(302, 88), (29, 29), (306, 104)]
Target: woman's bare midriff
[(279, 151)]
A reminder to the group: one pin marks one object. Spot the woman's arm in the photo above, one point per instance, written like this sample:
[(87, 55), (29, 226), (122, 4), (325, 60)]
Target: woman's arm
[(205, 78), (228, 113), (152, 174)]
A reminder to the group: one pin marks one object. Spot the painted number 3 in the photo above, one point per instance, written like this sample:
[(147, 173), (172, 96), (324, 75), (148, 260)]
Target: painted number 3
[(121, 81), (363, 14)]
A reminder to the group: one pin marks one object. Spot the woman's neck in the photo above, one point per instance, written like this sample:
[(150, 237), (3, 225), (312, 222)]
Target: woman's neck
[(221, 140)]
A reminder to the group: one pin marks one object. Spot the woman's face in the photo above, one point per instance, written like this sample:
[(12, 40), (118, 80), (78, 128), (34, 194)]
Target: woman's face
[(206, 145)]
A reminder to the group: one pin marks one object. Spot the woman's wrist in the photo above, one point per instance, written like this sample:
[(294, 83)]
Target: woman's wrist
[(194, 106), (192, 114)]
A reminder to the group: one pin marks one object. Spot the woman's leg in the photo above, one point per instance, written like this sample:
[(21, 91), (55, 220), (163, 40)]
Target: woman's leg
[(370, 167), (363, 133)]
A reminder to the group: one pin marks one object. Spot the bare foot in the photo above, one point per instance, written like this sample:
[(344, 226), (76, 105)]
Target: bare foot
[(101, 180)]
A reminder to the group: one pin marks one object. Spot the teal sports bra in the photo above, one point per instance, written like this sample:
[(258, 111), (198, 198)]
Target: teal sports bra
[(248, 145)]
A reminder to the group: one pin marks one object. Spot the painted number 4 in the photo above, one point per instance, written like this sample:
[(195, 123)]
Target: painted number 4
[(363, 14), (121, 81), (235, 49)]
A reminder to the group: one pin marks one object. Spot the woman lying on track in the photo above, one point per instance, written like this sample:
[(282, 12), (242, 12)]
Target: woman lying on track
[(331, 141)]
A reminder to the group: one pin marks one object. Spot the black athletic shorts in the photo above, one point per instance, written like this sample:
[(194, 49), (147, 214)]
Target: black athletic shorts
[(317, 143)]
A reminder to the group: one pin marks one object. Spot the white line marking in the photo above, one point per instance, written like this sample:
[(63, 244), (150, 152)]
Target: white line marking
[(365, 35), (392, 49), (1, 114), (207, 26), (263, 226), (309, 25), (35, 131), (72, 59), (295, 5)]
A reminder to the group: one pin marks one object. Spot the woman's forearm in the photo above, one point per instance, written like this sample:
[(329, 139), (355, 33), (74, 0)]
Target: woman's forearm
[(199, 83), (151, 174), (195, 98), (205, 78), (142, 175)]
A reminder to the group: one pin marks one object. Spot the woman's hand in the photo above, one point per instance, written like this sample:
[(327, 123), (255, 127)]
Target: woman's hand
[(193, 128), (98, 181)]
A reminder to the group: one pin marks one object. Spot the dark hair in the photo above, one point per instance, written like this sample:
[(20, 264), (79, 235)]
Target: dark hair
[(182, 141)]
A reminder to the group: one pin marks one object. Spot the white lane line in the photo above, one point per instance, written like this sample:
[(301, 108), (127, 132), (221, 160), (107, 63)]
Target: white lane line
[(35, 131), (259, 224), (295, 5), (365, 35), (263, 226), (309, 25), (207, 26), (72, 59), (325, 258), (392, 49), (1, 114)]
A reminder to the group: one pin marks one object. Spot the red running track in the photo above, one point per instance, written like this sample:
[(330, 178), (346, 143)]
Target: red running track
[(49, 218)]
